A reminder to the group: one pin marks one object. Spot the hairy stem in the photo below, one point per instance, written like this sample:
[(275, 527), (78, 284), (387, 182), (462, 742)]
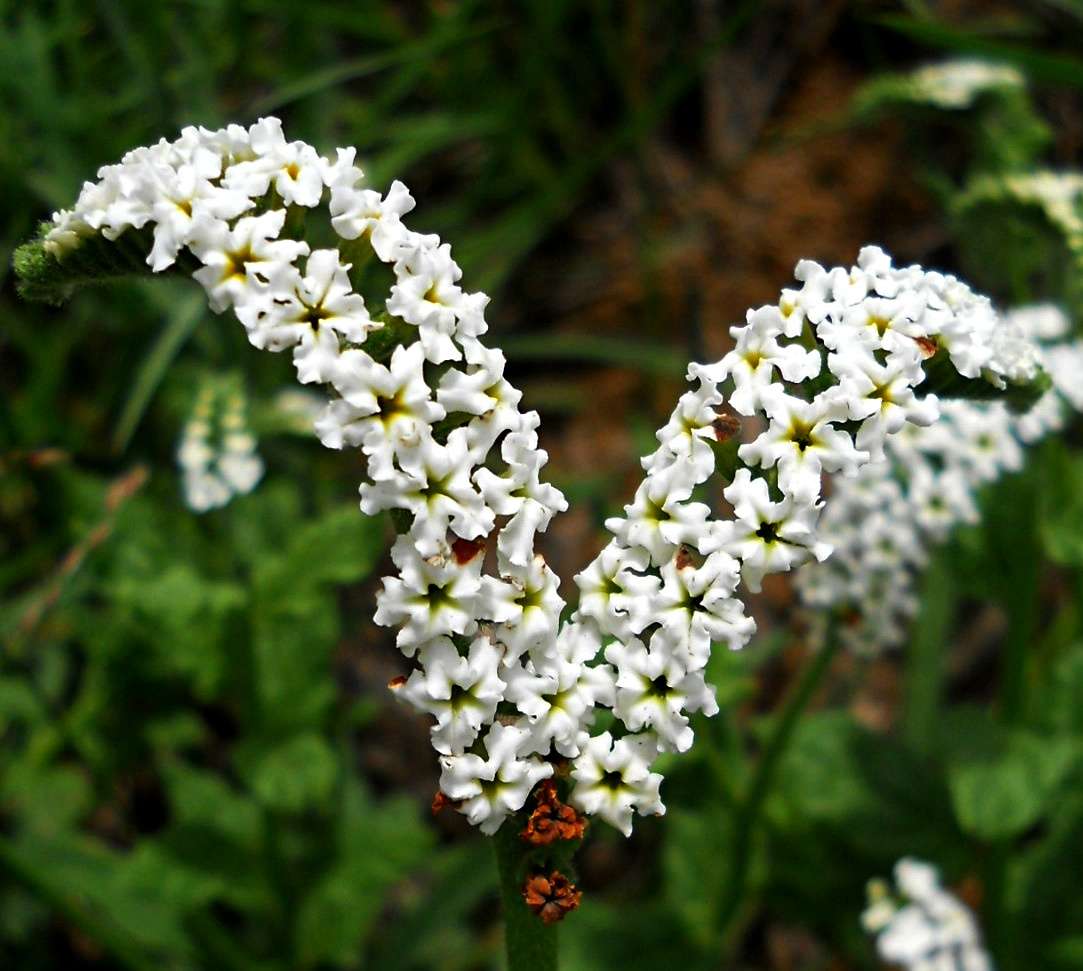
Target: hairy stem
[(748, 810), (530, 945)]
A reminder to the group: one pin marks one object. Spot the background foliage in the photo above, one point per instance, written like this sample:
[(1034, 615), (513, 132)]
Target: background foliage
[(199, 766)]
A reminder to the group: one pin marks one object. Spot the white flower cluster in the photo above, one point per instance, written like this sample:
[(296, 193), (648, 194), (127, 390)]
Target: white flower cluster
[(882, 523), (929, 929), (831, 371), (956, 84), (1058, 194), (217, 451)]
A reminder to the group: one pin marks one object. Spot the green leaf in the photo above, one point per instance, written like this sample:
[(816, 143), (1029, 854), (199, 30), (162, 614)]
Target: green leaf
[(47, 799), (697, 851), (85, 878), (1003, 782), (201, 798), (184, 315), (296, 775), (378, 845), (1059, 703), (184, 616), (1062, 507)]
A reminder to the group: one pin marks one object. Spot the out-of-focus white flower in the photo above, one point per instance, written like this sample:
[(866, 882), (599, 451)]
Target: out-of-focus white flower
[(928, 481), (923, 927), (217, 451)]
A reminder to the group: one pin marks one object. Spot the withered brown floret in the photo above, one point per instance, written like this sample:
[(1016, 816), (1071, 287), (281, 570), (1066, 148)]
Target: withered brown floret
[(552, 896)]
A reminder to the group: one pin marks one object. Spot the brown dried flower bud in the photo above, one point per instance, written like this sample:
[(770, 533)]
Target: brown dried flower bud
[(552, 819), (552, 896), (726, 427), (466, 549)]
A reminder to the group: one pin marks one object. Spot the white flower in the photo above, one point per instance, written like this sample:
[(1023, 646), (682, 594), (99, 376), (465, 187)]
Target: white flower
[(293, 169), (313, 313), (520, 494), (531, 614), (244, 260), (802, 441), (427, 296), (557, 696), (929, 929), (429, 420), (696, 607), (753, 362), (613, 780), (881, 396), (654, 691), (491, 788), (689, 431), (460, 692), (956, 83), (433, 597), (483, 391), (186, 205), (615, 593), (364, 212), (661, 518), (217, 452), (435, 486), (384, 410), (768, 536)]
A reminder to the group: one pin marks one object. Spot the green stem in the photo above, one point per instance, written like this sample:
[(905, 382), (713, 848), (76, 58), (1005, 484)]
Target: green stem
[(530, 944), (1020, 563), (749, 808), (925, 658)]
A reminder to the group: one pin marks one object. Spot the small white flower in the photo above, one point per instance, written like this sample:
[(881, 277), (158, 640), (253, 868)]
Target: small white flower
[(364, 212), (435, 486), (432, 597), (185, 206), (696, 607), (654, 691), (244, 260), (531, 615), (614, 591), (613, 780), (557, 696), (460, 692), (802, 441), (660, 518), (758, 355), (427, 295), (520, 494), (384, 410), (293, 169), (491, 788), (928, 929), (767, 536)]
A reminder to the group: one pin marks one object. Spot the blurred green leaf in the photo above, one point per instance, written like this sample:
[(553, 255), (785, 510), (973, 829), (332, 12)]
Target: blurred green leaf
[(377, 846), (1062, 507), (296, 775), (1003, 781)]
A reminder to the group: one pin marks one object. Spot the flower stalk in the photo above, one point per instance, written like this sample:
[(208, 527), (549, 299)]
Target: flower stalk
[(529, 942)]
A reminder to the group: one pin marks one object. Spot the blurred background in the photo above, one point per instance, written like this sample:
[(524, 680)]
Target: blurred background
[(200, 766)]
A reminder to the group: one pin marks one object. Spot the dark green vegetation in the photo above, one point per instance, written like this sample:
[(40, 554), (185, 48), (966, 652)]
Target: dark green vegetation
[(199, 764)]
